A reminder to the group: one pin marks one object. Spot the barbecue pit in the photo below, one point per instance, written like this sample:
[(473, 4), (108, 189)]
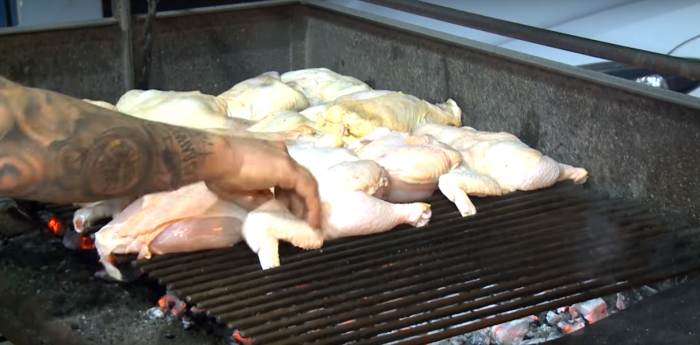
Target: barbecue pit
[(577, 116), (523, 259)]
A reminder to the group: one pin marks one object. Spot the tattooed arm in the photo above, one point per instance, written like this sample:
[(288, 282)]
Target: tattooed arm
[(56, 148), (60, 149)]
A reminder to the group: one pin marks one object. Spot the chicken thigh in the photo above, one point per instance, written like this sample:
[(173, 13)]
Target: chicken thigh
[(321, 84), (395, 110), (257, 97)]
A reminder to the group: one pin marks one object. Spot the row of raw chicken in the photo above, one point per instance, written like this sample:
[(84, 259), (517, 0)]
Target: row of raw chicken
[(375, 153)]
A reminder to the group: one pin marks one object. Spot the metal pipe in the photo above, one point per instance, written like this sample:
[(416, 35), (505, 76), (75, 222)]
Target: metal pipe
[(146, 53), (122, 11), (639, 58)]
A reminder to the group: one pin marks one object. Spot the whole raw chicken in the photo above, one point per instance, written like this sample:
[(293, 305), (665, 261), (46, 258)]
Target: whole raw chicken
[(363, 112), (192, 218), (351, 190), (255, 98), (191, 109), (502, 158), (322, 85)]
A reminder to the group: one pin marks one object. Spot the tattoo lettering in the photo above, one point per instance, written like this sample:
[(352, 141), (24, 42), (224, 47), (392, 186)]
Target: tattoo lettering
[(184, 153)]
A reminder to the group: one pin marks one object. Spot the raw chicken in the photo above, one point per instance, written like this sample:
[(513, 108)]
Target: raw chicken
[(191, 109), (319, 159), (395, 110), (287, 120), (316, 140), (88, 214), (255, 98), (350, 204), (414, 162), (362, 95), (102, 104), (322, 84), (315, 113), (489, 157), (351, 190), (192, 218)]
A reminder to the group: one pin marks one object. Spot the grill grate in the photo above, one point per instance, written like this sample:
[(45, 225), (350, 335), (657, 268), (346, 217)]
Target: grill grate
[(522, 254)]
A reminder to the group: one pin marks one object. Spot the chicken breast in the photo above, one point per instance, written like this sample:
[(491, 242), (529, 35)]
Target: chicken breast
[(322, 85), (191, 109), (360, 115), (255, 98)]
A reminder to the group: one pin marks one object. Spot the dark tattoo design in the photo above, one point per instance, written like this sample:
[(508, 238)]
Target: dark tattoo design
[(184, 153), (57, 148)]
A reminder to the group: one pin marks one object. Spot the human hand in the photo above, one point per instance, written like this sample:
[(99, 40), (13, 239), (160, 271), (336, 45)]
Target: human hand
[(249, 166)]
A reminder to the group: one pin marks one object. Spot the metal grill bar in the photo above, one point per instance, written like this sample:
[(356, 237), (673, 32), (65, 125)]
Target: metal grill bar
[(466, 272), (521, 254)]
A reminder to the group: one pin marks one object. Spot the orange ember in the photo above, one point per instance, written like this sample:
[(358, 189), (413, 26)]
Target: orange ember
[(55, 226), (239, 338), (567, 328), (86, 243)]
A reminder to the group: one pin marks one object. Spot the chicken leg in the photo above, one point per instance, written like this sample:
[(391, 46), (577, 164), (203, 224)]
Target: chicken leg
[(273, 222), (458, 184)]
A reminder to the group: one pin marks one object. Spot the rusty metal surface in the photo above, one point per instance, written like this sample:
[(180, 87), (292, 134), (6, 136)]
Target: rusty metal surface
[(521, 254)]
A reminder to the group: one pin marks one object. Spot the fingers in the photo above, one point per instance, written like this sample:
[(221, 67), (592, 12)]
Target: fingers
[(294, 203), (307, 188), (303, 183)]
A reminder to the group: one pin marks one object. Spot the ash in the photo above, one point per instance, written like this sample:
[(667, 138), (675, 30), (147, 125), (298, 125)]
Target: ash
[(49, 294), (553, 324)]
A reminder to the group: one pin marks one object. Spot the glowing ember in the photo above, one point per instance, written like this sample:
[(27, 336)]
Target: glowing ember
[(171, 303), (239, 338), (87, 243), (55, 226)]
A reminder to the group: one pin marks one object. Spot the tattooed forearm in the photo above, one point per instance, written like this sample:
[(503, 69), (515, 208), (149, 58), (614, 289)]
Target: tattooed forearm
[(60, 149)]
